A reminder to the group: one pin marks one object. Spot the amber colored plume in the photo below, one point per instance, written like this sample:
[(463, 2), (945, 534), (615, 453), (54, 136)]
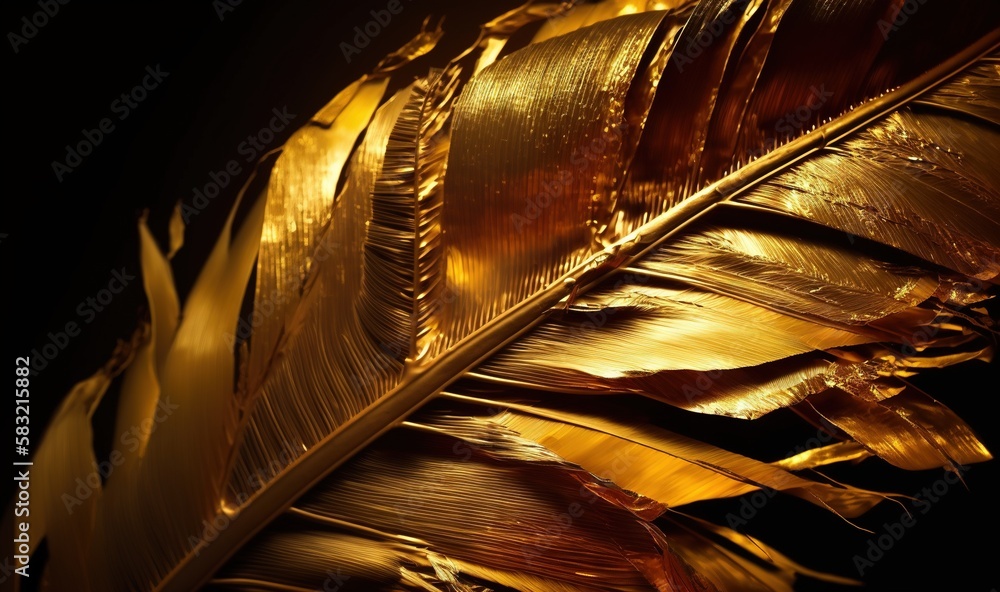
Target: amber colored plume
[(475, 291)]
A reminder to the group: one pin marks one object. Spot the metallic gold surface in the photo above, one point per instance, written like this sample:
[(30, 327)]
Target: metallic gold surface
[(602, 211)]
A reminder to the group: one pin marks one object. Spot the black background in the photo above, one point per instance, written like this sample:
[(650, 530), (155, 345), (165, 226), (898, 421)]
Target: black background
[(63, 239)]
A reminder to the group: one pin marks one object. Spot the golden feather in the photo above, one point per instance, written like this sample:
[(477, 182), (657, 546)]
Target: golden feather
[(464, 285)]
